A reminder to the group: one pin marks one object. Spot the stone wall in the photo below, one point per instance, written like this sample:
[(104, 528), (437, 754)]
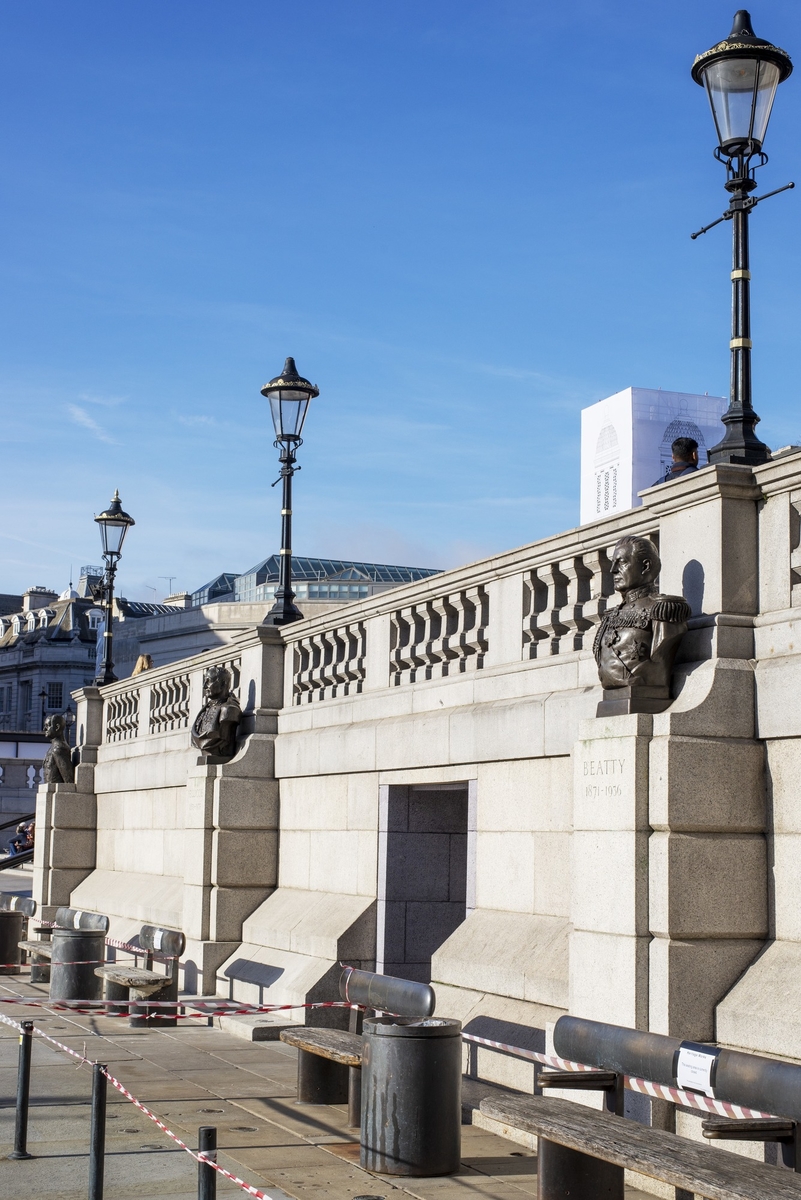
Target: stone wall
[(640, 869)]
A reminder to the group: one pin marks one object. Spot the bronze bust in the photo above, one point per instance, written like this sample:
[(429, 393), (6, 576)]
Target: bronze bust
[(636, 643), (214, 729), (57, 766)]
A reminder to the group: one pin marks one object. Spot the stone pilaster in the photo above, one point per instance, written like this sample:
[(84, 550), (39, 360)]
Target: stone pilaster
[(231, 847), (66, 816), (609, 871)]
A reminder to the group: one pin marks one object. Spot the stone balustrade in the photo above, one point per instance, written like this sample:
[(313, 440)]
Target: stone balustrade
[(122, 716), (440, 637), (169, 704), (167, 697), (330, 664), (544, 600)]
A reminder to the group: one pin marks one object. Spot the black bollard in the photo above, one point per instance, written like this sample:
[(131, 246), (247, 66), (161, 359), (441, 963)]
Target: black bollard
[(206, 1175), (23, 1092), (97, 1136)]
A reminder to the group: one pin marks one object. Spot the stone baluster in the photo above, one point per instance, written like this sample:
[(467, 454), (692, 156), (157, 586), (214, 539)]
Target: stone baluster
[(795, 550), (400, 637), (579, 579), (473, 622), (551, 624), (601, 589), (535, 600), (445, 618), (418, 659)]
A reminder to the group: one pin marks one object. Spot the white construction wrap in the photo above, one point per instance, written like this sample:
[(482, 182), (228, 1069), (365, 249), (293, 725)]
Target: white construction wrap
[(626, 441)]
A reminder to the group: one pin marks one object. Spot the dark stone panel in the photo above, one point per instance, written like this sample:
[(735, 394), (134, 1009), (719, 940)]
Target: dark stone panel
[(428, 926), (398, 809), (458, 867), (418, 866), (438, 812), (395, 930)]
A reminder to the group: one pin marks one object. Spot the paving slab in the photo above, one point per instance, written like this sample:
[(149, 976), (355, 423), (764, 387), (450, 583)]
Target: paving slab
[(196, 1074)]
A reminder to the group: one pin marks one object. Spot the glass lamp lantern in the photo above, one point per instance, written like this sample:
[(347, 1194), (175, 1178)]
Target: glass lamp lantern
[(114, 524), (289, 395), (740, 75)]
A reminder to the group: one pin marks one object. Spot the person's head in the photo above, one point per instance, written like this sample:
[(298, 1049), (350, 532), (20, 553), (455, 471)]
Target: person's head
[(685, 450), (216, 683), (635, 563)]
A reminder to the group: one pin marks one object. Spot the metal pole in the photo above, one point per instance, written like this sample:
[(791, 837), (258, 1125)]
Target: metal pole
[(206, 1175), (107, 674), (23, 1092), (97, 1136), (284, 609), (740, 443)]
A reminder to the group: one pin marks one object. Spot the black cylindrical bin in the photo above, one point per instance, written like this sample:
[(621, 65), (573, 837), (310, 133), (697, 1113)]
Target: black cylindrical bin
[(411, 1096), (10, 936), (76, 953)]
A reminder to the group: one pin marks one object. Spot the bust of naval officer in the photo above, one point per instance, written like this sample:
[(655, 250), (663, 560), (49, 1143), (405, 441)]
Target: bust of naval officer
[(636, 643), (215, 726)]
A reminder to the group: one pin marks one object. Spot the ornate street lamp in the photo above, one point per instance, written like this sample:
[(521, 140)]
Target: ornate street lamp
[(289, 395), (114, 524), (741, 75)]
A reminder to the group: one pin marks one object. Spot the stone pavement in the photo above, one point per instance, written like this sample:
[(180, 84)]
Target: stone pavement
[(196, 1075)]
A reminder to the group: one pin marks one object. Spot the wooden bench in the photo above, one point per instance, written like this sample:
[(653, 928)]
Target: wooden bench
[(123, 983), (330, 1060), (337, 1045), (592, 1148)]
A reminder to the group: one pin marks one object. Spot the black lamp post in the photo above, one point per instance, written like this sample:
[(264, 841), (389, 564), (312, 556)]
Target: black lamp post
[(741, 75), (114, 524), (289, 395), (43, 698)]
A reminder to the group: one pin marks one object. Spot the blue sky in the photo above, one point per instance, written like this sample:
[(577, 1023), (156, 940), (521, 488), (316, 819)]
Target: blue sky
[(466, 219)]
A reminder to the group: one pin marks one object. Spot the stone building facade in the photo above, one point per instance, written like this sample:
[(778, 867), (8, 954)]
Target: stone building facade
[(47, 650), (422, 785)]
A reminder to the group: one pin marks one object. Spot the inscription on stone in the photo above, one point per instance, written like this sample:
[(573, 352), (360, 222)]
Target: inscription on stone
[(603, 767)]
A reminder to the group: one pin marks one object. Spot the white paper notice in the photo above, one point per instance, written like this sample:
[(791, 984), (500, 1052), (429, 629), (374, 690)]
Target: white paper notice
[(694, 1069), (158, 938), (76, 920)]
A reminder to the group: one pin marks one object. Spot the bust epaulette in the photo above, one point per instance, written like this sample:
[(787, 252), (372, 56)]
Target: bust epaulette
[(672, 609)]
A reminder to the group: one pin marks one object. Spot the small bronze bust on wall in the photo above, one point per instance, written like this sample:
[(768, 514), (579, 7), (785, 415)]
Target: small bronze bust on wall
[(215, 726), (636, 643), (57, 766)]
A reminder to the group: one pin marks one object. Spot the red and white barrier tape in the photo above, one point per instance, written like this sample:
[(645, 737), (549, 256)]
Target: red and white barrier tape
[(646, 1087), (201, 1008), (200, 1158), (214, 1008)]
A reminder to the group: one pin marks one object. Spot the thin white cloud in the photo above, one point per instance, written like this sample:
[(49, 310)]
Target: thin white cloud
[(199, 420), (81, 417), (104, 401)]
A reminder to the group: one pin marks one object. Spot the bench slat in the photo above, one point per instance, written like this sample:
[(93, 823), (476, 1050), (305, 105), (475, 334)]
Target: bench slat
[(44, 949), (336, 1044), (131, 976), (717, 1174)]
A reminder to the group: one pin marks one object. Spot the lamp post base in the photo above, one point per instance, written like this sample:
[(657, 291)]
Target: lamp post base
[(740, 443), (284, 611)]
